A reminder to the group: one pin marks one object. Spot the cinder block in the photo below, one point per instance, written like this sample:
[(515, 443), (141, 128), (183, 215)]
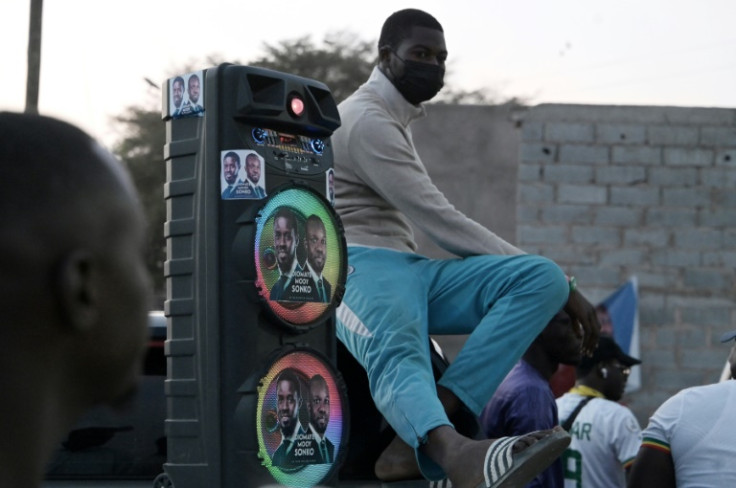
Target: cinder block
[(670, 217), (676, 379), (675, 257), (723, 197), (729, 238), (530, 172), (620, 133), (620, 175), (568, 254), (570, 153), (718, 136), (596, 276), (685, 197), (623, 257), (720, 258), (567, 214), (687, 301), (532, 131), (666, 337), (700, 238), (536, 193), (618, 216), (527, 214), (648, 155), (688, 157), (703, 358), (658, 279), (609, 237), (536, 234), (669, 176), (652, 237), (582, 194), (568, 173), (537, 152), (726, 157), (700, 316), (662, 135), (722, 217), (568, 132), (639, 196)]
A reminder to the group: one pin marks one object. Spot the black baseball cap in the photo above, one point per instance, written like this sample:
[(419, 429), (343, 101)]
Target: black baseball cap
[(608, 349), (728, 336)]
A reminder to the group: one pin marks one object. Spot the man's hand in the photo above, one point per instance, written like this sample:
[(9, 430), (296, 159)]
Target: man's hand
[(582, 312)]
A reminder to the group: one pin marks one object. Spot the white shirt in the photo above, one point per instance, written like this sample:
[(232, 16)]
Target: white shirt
[(698, 426), (605, 438), (381, 183)]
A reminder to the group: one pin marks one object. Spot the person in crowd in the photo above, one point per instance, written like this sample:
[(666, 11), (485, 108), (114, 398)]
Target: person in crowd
[(525, 402), (689, 440), (605, 434), (75, 290)]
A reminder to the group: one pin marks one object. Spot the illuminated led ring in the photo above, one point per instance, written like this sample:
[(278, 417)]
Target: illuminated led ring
[(303, 467), (298, 301)]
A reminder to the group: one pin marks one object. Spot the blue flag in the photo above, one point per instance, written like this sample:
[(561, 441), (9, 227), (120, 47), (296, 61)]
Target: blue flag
[(623, 323)]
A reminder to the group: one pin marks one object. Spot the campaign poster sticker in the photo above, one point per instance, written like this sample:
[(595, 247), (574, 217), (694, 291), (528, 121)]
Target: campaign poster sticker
[(299, 255), (300, 419), (186, 95), (242, 175)]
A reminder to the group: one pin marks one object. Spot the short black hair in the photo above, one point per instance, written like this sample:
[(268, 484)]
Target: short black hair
[(193, 77), (290, 376), (232, 155), (397, 26), (288, 214)]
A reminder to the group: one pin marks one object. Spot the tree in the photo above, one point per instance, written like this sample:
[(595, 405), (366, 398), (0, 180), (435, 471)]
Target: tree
[(141, 150), (343, 62)]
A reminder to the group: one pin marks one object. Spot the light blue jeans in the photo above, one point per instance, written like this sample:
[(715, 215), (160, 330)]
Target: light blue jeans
[(395, 300)]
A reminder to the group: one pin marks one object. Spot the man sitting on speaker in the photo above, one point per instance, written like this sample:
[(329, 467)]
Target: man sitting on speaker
[(316, 245), (499, 296)]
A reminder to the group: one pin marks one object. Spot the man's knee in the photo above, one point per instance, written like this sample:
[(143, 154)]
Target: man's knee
[(547, 275)]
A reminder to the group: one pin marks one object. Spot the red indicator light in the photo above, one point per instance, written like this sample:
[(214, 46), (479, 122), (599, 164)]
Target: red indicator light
[(297, 106)]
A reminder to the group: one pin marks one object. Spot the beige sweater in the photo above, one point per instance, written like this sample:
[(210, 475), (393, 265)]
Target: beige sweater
[(381, 183)]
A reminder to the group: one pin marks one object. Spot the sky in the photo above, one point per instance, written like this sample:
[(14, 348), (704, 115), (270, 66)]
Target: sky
[(97, 54)]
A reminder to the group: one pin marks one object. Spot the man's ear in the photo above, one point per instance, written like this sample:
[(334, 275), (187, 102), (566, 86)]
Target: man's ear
[(383, 54), (77, 289)]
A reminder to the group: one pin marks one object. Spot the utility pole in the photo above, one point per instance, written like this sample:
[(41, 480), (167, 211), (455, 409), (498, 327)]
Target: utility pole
[(34, 56)]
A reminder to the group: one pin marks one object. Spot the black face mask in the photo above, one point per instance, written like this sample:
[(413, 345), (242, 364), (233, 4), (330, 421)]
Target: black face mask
[(420, 81)]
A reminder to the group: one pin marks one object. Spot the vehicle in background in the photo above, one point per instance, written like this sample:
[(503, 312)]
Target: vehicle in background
[(126, 443)]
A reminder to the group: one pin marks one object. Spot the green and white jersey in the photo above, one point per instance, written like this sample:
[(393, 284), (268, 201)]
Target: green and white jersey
[(605, 439), (697, 427)]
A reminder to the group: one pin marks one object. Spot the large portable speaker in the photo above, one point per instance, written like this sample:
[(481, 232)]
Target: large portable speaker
[(256, 265)]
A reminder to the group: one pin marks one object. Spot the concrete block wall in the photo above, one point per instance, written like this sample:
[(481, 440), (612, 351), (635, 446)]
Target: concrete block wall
[(614, 191)]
